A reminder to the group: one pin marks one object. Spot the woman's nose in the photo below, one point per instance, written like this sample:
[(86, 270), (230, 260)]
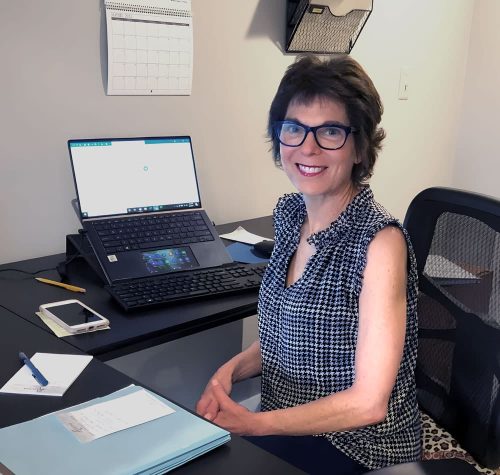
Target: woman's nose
[(310, 145)]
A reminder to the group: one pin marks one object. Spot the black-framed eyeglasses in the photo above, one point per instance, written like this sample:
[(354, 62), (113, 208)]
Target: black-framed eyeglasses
[(329, 137)]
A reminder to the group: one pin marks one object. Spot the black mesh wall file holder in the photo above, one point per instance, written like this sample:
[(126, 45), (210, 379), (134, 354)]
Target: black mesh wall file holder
[(319, 28)]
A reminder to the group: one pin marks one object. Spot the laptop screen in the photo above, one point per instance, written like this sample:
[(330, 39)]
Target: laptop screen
[(139, 175)]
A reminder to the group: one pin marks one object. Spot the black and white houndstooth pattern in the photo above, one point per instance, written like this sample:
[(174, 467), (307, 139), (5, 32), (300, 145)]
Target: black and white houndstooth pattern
[(308, 331)]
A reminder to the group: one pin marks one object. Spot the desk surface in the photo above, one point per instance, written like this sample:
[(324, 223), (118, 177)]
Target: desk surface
[(19, 335), (130, 332), (238, 456)]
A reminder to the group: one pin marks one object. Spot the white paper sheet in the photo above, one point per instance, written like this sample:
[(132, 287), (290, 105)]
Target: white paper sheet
[(240, 234), (112, 416), (59, 370)]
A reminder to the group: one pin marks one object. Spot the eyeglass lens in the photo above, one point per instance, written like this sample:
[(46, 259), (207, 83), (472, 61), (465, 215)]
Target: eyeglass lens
[(328, 136)]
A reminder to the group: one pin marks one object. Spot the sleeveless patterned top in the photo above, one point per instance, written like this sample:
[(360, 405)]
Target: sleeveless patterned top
[(308, 331)]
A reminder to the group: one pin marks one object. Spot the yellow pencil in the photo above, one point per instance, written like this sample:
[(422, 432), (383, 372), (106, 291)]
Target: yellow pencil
[(73, 288)]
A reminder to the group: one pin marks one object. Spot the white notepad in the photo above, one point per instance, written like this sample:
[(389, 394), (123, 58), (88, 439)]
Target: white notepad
[(59, 370)]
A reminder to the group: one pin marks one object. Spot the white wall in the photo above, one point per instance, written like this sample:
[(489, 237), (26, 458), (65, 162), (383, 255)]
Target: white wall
[(430, 40), (52, 89), (477, 165)]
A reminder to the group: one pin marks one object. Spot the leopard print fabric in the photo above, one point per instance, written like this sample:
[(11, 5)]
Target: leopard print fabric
[(439, 444)]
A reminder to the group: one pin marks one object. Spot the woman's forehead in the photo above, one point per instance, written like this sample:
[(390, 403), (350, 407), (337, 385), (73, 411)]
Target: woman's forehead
[(319, 104)]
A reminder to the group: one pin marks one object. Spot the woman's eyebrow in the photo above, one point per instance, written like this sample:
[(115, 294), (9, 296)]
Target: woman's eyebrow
[(326, 123), (334, 122)]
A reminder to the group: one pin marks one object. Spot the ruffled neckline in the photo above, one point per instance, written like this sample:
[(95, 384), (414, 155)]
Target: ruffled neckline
[(346, 220)]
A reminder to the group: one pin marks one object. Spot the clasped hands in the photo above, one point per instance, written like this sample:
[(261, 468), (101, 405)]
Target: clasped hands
[(215, 405)]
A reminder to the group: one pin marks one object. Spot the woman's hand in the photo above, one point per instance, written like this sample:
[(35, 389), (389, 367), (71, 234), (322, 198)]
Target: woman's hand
[(208, 405), (244, 365), (232, 416)]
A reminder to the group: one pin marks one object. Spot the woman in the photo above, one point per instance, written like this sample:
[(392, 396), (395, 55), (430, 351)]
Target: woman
[(337, 306)]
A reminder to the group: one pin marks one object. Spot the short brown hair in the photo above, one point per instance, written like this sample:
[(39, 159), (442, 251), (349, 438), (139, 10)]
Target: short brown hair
[(343, 80)]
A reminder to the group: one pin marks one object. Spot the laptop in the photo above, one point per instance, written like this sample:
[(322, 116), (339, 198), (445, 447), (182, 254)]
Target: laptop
[(140, 206)]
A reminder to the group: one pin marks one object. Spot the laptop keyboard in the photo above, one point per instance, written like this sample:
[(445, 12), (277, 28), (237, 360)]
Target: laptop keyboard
[(146, 232), (190, 285)]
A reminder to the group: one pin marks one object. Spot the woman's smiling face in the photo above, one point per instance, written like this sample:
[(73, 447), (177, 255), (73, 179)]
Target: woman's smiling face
[(314, 171)]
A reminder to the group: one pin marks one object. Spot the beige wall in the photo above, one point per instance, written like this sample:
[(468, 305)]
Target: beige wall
[(52, 89), (477, 164), (430, 39)]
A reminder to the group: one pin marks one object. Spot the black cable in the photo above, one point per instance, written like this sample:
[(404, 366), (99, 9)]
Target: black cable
[(27, 272), (64, 263)]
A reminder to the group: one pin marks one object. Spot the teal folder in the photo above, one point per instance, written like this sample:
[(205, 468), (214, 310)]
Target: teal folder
[(44, 445)]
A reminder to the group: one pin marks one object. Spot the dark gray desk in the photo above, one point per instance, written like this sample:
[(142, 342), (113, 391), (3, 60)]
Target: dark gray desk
[(238, 456), (130, 332), (23, 331), (19, 335)]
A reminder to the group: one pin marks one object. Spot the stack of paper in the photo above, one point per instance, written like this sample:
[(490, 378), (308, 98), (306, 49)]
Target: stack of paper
[(134, 432)]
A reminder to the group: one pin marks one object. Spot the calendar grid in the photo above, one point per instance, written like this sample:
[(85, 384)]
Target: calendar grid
[(149, 54)]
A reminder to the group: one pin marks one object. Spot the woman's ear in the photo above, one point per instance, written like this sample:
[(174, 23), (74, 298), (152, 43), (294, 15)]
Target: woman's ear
[(277, 161)]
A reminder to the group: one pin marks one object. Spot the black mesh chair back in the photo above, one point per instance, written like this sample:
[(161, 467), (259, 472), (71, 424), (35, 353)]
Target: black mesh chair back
[(456, 238)]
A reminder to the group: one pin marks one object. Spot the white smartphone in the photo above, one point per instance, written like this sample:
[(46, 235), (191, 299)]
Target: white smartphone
[(74, 316)]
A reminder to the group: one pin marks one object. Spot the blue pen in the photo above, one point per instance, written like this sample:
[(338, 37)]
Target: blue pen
[(39, 377)]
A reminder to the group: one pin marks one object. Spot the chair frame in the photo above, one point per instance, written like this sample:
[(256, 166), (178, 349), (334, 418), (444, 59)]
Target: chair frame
[(429, 204), (423, 212)]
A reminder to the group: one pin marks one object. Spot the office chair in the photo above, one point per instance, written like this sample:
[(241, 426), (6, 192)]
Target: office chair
[(456, 239)]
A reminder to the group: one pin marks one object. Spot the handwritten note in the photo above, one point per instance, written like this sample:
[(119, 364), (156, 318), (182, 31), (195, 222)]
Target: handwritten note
[(118, 414)]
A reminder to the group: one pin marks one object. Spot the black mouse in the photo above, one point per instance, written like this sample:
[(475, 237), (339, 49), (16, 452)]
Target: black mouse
[(264, 248)]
